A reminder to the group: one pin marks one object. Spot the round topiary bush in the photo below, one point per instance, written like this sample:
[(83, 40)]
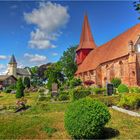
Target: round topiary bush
[(86, 118), (123, 88)]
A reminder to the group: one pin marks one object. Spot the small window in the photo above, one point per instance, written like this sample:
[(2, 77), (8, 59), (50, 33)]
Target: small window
[(133, 73), (138, 47)]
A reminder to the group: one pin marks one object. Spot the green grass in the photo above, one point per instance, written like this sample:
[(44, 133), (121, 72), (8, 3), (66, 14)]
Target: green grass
[(46, 121)]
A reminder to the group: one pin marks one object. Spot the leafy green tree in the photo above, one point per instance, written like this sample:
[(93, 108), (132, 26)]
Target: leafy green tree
[(54, 75), (19, 88), (137, 6), (27, 82), (68, 63), (34, 70)]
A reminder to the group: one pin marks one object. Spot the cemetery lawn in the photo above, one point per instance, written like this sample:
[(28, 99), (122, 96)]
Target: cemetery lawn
[(45, 120)]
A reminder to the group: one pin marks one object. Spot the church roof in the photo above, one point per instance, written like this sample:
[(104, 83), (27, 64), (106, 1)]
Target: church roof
[(12, 60), (4, 77), (24, 72), (115, 48), (86, 40)]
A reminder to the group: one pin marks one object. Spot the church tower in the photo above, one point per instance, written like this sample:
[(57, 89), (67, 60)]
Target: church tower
[(86, 44), (12, 67)]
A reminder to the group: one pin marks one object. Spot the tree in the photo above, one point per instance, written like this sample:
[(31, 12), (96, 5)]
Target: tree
[(27, 82), (19, 88), (68, 63), (137, 6), (54, 75)]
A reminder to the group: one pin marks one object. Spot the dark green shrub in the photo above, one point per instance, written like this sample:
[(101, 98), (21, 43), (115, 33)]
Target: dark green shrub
[(86, 118), (79, 93), (99, 90), (134, 90), (130, 101), (63, 96), (27, 82), (7, 90), (107, 100), (116, 82), (123, 88), (75, 82), (19, 89), (10, 88)]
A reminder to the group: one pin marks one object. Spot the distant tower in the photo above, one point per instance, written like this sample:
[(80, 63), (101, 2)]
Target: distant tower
[(12, 67), (86, 42)]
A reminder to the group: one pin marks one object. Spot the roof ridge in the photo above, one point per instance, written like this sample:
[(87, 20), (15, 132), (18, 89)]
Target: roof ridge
[(138, 24)]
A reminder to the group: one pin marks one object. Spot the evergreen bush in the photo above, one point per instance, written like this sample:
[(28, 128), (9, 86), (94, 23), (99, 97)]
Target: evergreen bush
[(86, 118), (130, 101), (79, 93), (99, 90), (19, 89), (107, 100), (116, 82), (63, 95), (123, 88), (75, 82), (134, 90)]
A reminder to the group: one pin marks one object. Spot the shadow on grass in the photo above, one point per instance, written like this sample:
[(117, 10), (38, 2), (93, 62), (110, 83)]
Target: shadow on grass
[(109, 133)]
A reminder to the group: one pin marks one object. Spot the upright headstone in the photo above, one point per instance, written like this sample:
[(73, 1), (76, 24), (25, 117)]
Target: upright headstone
[(110, 89), (54, 89)]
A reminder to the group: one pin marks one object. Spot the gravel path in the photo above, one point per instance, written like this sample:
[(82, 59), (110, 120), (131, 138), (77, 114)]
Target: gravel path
[(135, 114)]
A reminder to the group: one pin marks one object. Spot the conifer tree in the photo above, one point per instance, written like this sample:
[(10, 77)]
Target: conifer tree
[(19, 88), (27, 82)]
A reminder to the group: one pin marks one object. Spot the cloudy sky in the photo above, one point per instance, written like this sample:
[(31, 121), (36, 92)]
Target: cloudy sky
[(38, 32)]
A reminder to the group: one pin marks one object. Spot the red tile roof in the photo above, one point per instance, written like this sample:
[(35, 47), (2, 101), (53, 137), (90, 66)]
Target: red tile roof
[(86, 40), (115, 48)]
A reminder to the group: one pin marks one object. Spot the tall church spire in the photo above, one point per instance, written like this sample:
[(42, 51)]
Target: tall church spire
[(12, 67), (12, 60), (86, 40)]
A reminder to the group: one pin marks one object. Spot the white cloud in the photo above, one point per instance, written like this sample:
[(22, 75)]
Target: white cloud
[(54, 54), (3, 69), (49, 18), (36, 58), (2, 57)]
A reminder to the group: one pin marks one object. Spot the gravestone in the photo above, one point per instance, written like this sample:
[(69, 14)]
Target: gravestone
[(54, 89), (110, 89)]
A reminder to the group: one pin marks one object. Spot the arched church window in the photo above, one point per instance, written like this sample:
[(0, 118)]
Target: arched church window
[(106, 66), (133, 73), (121, 68), (112, 74)]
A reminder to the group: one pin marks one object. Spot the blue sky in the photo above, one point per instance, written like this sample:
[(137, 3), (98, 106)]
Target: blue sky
[(38, 32)]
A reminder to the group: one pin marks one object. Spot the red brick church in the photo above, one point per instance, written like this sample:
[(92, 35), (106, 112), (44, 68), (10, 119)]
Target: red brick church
[(120, 57)]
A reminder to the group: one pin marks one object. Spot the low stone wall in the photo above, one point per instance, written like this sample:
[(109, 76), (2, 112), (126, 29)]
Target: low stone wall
[(135, 114)]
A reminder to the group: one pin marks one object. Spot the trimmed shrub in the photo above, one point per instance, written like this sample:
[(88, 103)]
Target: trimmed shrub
[(123, 88), (86, 118), (20, 89), (79, 93), (99, 90), (116, 82), (75, 82), (134, 90), (107, 100), (63, 96), (130, 101)]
